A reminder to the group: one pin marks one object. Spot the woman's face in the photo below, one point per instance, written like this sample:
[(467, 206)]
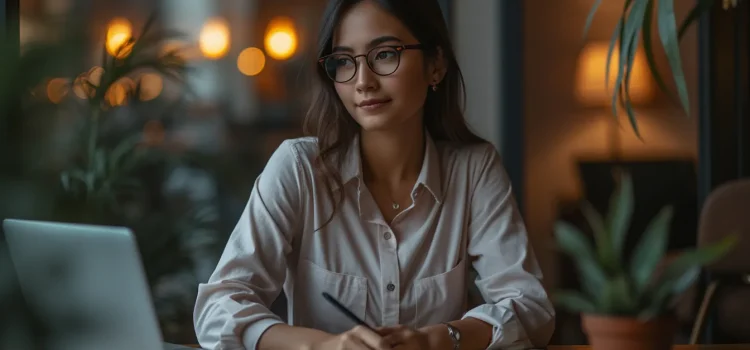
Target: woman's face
[(381, 102)]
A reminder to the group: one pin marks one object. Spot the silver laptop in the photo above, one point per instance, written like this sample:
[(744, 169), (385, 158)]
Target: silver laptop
[(86, 282)]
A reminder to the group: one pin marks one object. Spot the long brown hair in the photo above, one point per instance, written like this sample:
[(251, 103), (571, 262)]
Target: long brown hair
[(335, 129)]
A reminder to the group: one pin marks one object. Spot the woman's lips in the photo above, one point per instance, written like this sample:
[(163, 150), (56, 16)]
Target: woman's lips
[(371, 105)]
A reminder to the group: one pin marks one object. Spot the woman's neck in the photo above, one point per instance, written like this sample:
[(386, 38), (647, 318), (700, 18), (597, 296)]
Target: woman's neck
[(392, 157)]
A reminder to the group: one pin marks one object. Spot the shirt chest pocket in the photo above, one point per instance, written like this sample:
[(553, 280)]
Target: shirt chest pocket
[(441, 298), (316, 312)]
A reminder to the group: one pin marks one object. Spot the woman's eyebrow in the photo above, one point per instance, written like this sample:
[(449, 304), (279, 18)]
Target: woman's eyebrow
[(374, 42)]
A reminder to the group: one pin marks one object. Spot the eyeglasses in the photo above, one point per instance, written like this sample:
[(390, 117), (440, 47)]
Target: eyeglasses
[(382, 60)]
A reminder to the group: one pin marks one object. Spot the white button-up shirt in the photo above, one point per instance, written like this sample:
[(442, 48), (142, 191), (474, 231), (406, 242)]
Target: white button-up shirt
[(412, 271)]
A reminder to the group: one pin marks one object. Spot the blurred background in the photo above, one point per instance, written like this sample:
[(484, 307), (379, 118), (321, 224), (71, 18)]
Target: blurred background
[(166, 135)]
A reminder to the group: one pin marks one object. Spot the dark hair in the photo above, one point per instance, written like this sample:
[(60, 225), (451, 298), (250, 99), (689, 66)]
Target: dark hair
[(328, 119)]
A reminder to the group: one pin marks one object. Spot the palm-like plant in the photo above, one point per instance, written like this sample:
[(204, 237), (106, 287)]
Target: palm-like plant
[(636, 24), (103, 172), (630, 287), (106, 170)]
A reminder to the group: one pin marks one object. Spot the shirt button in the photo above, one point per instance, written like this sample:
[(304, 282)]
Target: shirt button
[(391, 287), (387, 236)]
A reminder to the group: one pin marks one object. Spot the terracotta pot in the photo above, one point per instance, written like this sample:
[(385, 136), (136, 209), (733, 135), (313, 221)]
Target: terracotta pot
[(625, 333)]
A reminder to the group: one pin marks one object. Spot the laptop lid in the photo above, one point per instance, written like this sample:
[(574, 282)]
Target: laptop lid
[(87, 284)]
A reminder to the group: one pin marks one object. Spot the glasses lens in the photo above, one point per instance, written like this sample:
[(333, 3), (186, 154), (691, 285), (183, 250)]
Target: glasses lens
[(383, 60), (340, 68)]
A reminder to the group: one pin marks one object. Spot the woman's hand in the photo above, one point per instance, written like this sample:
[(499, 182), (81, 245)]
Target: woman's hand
[(405, 338), (358, 338)]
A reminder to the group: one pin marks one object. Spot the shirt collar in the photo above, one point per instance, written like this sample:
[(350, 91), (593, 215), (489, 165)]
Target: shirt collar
[(429, 175)]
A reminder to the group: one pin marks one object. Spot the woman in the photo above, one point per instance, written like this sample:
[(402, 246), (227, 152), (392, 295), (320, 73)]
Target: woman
[(384, 209)]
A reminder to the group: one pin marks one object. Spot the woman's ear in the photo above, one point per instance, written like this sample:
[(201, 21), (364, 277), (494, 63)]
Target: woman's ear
[(439, 67)]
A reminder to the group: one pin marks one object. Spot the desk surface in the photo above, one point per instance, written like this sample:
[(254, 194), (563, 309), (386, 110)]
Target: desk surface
[(676, 347), (586, 347)]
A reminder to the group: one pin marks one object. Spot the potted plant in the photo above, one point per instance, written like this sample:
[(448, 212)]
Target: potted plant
[(628, 302), (637, 23), (88, 157)]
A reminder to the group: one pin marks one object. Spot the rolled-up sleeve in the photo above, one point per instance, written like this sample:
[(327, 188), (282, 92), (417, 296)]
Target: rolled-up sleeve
[(232, 308), (517, 306)]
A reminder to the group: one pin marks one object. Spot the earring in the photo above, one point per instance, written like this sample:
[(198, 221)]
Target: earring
[(434, 86)]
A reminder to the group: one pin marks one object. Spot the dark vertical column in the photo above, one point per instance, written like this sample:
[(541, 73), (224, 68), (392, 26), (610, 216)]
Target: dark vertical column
[(10, 124), (739, 96), (511, 93), (723, 91), (724, 128), (705, 95)]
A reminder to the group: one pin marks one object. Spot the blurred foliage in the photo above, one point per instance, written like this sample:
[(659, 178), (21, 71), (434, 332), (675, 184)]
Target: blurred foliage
[(632, 286), (636, 24), (98, 156)]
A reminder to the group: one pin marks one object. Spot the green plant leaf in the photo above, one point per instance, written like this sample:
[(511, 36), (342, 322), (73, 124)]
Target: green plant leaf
[(572, 241), (575, 244), (631, 29), (650, 250), (65, 181), (620, 213), (590, 18), (603, 242), (694, 14), (668, 33), (616, 37), (696, 258), (659, 302), (610, 52), (573, 301), (617, 297), (683, 271), (626, 100), (648, 50), (122, 149), (100, 163)]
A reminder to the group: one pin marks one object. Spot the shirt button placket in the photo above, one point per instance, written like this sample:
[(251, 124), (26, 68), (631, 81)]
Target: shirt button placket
[(390, 278)]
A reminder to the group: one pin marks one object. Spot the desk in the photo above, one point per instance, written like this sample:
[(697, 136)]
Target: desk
[(676, 347), (586, 347)]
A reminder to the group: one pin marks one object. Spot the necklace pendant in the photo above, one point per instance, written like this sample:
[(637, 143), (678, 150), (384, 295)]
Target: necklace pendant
[(396, 206)]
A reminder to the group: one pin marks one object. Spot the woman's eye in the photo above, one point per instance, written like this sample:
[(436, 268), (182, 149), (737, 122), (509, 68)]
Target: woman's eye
[(343, 62), (382, 55)]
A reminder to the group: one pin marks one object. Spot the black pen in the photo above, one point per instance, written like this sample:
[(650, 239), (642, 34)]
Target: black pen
[(346, 311)]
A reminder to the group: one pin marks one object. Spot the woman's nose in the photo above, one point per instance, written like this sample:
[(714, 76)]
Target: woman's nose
[(365, 80)]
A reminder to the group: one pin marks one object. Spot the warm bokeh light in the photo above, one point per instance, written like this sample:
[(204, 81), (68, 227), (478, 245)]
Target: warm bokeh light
[(57, 89), (119, 32), (590, 79), (86, 83), (281, 38), (151, 85), (181, 49), (95, 75), (82, 88), (251, 61), (118, 92), (214, 38)]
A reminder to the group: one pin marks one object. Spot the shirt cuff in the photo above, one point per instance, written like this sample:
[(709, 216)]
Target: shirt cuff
[(252, 333), (507, 333)]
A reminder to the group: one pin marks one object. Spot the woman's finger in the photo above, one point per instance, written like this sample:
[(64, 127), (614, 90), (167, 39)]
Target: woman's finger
[(355, 343), (396, 338), (371, 339)]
